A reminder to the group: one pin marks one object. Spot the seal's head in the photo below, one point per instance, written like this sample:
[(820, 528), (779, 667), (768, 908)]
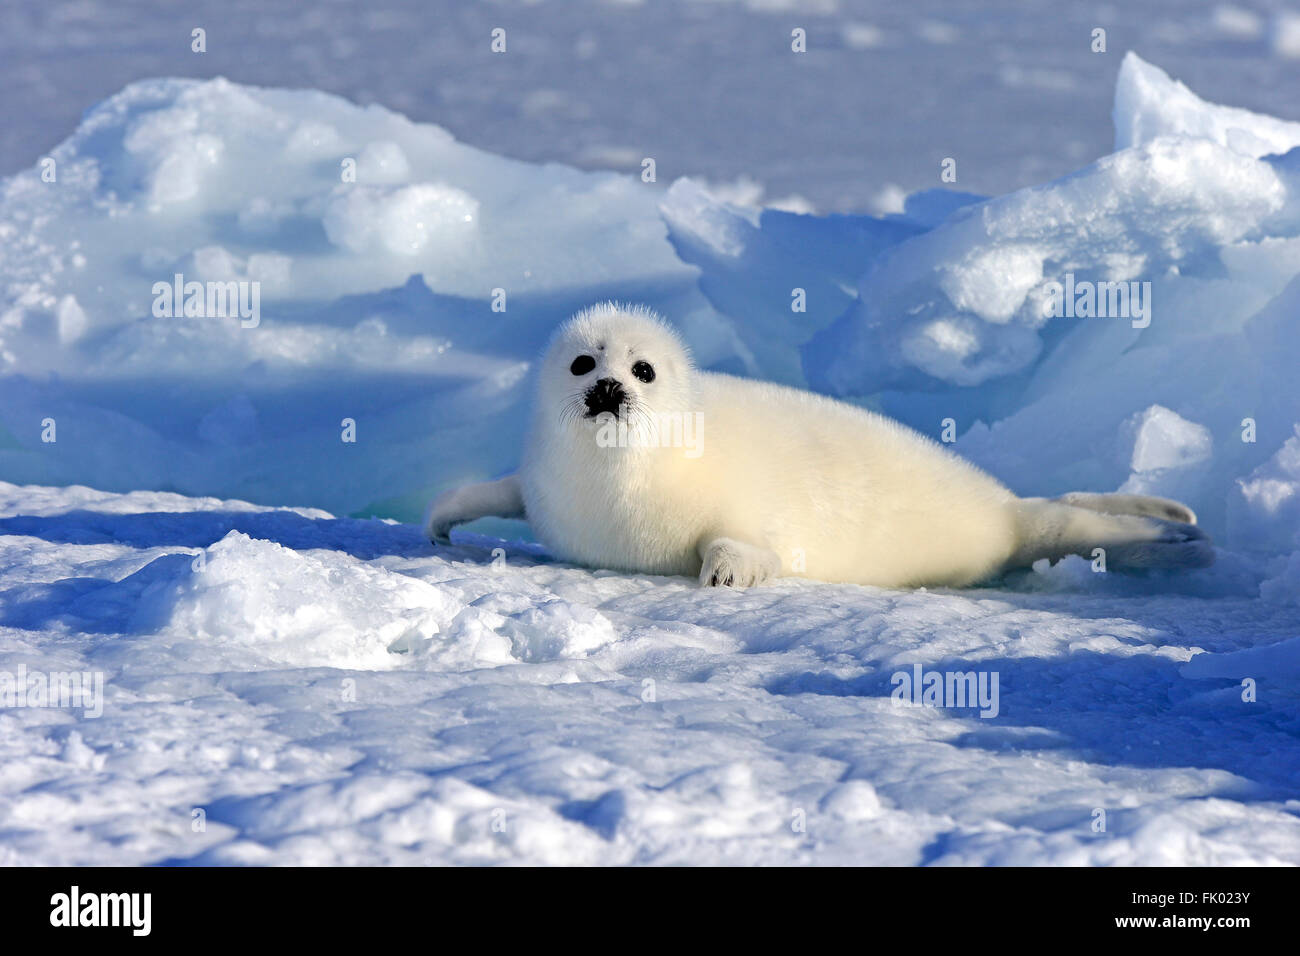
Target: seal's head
[(613, 360)]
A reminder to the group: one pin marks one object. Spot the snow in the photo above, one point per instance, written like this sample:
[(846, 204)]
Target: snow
[(1149, 104), (330, 690), (1164, 439), (1286, 34), (292, 674), (1268, 504), (1017, 89), (1237, 23)]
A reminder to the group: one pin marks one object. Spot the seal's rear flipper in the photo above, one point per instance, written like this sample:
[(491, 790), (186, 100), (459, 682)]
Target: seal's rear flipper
[(1053, 529), (1147, 506), (1181, 546)]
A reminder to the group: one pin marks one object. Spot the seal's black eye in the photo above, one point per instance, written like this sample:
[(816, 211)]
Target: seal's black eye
[(582, 365), (644, 371)]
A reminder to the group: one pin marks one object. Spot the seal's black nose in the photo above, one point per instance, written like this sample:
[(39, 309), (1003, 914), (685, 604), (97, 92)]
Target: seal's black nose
[(605, 396)]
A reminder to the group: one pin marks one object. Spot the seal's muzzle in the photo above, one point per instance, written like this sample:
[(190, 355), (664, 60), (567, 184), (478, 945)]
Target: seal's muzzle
[(606, 395)]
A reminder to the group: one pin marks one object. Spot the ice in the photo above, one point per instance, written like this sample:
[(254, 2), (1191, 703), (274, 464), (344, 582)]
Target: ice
[(1164, 439), (751, 263), (1266, 508), (974, 290), (1284, 586), (965, 321), (1286, 34), (375, 247), (1238, 23), (403, 221), (1272, 665), (1149, 104)]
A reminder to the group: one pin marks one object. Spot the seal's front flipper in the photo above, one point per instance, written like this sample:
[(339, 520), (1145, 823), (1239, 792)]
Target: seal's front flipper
[(727, 562), (502, 498)]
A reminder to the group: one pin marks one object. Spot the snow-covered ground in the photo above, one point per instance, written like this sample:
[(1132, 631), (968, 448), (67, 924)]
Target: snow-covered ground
[(283, 685), (539, 713)]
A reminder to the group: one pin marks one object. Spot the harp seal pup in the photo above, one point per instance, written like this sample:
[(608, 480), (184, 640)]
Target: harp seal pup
[(737, 481)]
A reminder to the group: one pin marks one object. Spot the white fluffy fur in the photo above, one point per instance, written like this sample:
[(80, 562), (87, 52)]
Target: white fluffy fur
[(786, 482)]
